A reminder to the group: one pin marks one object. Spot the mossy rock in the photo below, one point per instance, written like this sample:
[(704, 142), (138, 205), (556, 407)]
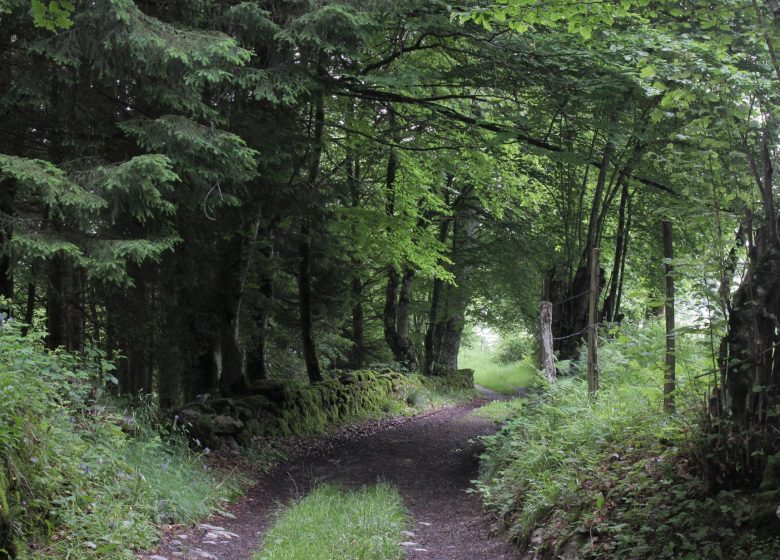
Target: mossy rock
[(243, 413), (245, 439), (222, 405), (187, 416), (274, 391), (202, 430), (279, 409), (771, 478), (764, 515), (456, 378), (226, 425), (256, 403)]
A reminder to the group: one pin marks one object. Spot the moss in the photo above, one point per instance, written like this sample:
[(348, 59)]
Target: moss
[(283, 409), (274, 391), (764, 515), (455, 378), (771, 478)]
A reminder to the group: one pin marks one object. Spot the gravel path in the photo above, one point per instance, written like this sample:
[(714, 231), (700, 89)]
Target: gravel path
[(431, 459)]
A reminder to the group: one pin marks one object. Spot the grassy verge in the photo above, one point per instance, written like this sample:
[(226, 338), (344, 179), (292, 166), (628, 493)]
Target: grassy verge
[(614, 477), (502, 378), (73, 482), (501, 411), (333, 523)]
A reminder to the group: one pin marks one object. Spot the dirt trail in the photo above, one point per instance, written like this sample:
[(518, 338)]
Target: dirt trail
[(431, 459)]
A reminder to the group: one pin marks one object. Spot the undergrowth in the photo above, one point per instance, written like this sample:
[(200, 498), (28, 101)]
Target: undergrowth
[(614, 477), (330, 523), (76, 484), (501, 411)]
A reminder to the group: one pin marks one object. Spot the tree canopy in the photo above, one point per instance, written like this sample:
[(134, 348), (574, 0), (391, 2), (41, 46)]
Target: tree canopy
[(226, 192)]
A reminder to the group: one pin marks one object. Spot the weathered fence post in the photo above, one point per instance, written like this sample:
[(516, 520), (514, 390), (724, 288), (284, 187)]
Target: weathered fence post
[(669, 370), (593, 323), (546, 359)]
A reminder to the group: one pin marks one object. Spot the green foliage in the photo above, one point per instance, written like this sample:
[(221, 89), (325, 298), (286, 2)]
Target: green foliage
[(76, 484), (538, 460), (615, 467), (515, 347), (52, 15), (492, 372), (541, 456), (363, 524), (501, 411)]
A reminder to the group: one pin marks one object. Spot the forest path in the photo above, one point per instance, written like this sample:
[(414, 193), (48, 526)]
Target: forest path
[(430, 458)]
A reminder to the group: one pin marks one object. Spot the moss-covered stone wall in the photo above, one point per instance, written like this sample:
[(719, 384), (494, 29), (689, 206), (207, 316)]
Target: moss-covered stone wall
[(282, 409)]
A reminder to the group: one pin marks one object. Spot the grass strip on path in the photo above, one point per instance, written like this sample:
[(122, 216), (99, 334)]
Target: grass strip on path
[(332, 523)]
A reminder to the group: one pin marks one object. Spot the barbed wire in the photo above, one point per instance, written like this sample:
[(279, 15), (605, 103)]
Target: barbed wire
[(578, 333), (575, 296)]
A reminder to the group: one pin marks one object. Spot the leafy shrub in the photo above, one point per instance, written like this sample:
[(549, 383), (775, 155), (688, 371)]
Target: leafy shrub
[(514, 347)]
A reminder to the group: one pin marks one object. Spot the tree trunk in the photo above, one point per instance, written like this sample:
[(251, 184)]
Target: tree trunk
[(433, 333), (593, 323), (546, 357), (258, 366), (396, 317), (750, 385), (132, 333), (7, 197), (571, 321), (609, 312), (669, 370), (458, 295), (432, 342), (357, 355), (398, 293), (617, 315), (234, 269), (29, 312), (65, 306), (313, 368)]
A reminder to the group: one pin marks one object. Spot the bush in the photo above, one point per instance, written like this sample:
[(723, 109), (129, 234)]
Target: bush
[(516, 346), (614, 477), (77, 485)]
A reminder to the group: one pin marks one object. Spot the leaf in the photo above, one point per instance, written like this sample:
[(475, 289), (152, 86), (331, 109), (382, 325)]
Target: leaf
[(647, 72)]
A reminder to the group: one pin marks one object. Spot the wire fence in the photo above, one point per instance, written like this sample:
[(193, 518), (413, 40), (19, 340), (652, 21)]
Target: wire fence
[(580, 332), (570, 298)]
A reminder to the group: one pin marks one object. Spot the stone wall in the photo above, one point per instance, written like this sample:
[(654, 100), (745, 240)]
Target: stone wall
[(274, 408)]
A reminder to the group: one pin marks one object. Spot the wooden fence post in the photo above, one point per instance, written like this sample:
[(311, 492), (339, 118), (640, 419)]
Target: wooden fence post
[(593, 323), (669, 370), (546, 340)]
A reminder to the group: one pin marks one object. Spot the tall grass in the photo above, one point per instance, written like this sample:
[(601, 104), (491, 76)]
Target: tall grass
[(331, 523), (76, 484)]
